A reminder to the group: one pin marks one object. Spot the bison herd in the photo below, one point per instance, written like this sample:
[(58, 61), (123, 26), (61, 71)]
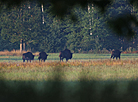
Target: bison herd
[(63, 54), (43, 56)]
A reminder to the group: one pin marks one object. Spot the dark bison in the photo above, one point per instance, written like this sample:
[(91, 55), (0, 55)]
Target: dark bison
[(115, 53), (28, 56), (42, 56), (65, 54)]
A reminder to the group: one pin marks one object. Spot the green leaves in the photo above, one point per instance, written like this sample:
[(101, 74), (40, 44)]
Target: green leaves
[(124, 25), (88, 32)]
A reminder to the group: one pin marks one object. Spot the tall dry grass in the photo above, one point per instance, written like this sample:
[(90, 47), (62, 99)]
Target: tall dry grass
[(73, 70), (75, 63), (74, 81), (15, 53)]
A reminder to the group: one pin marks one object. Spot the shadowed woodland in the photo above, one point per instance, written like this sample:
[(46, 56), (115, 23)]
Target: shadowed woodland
[(83, 90), (69, 91)]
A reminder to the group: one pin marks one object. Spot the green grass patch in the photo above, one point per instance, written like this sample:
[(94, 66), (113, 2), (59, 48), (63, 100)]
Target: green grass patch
[(76, 56)]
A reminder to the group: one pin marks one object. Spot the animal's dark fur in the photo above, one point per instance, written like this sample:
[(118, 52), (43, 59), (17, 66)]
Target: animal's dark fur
[(115, 53), (42, 56), (28, 56), (65, 54)]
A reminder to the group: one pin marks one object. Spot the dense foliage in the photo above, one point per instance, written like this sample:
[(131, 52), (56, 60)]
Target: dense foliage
[(89, 33)]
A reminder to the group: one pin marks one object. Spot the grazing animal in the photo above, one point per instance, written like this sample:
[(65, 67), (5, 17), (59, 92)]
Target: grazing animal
[(28, 56), (115, 53), (65, 54), (42, 56)]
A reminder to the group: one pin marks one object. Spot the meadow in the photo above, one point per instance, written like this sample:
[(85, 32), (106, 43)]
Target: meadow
[(76, 56), (92, 66), (87, 77)]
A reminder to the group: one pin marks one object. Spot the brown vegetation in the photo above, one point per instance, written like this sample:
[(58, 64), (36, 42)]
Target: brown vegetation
[(15, 53), (127, 52), (18, 53), (78, 63), (135, 51)]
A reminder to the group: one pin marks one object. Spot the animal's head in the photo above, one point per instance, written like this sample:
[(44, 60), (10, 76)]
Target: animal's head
[(71, 55), (60, 54), (33, 57), (23, 57), (39, 57), (23, 60), (46, 56)]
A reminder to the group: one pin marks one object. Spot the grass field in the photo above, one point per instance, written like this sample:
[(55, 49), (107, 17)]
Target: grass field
[(71, 71), (85, 78), (76, 56), (92, 66)]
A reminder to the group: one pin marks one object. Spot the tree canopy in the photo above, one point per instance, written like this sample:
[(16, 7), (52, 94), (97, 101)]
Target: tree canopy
[(88, 32), (123, 24)]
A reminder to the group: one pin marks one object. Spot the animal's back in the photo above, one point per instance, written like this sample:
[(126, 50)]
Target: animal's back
[(28, 56), (116, 52), (43, 55), (67, 53)]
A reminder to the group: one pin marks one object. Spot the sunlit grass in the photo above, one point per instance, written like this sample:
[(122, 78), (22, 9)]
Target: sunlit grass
[(76, 56), (71, 71), (99, 80)]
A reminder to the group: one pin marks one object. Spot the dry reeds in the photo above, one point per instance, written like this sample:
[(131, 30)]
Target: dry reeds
[(15, 53), (74, 63)]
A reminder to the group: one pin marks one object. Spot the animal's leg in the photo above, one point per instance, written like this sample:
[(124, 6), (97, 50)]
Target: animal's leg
[(111, 56), (61, 59), (23, 60), (67, 59)]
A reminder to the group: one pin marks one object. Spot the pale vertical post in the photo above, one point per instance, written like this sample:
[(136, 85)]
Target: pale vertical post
[(21, 46), (24, 46), (91, 18), (42, 13)]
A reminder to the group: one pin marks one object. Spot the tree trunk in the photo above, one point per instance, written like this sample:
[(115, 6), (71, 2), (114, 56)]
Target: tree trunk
[(24, 46), (42, 14), (21, 46)]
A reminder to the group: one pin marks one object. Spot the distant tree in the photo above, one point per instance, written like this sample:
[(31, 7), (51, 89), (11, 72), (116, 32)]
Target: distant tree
[(88, 31), (61, 8), (21, 24)]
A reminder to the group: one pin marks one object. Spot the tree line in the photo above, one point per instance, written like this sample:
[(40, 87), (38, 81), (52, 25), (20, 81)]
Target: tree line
[(88, 33)]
